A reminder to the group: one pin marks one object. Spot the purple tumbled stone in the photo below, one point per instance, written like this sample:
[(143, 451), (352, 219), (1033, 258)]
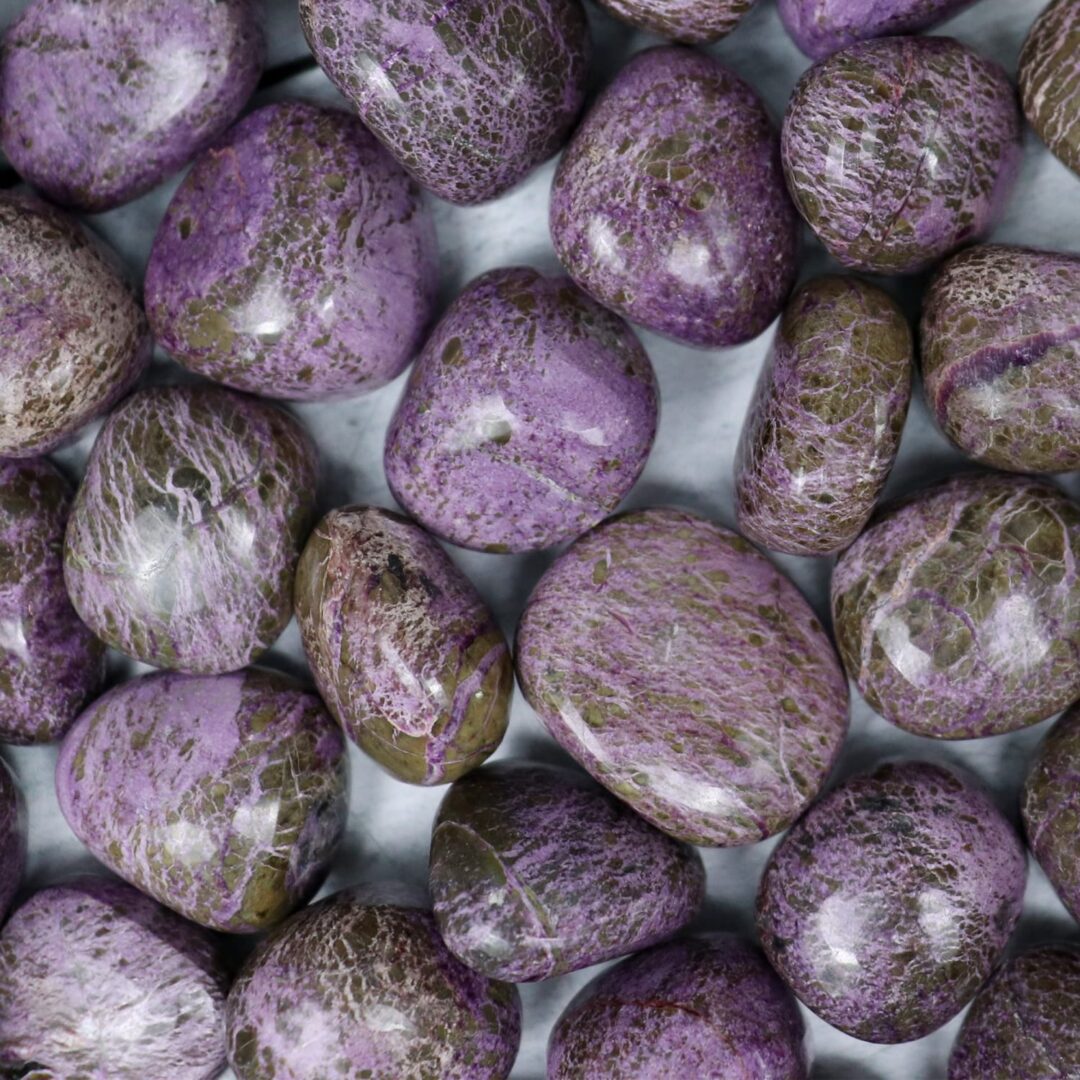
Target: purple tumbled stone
[(12, 837), (1050, 79), (669, 204), (887, 905), (690, 21)]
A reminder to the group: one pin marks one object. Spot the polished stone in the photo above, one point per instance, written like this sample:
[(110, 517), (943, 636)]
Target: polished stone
[(12, 837), (693, 22), (1050, 79)]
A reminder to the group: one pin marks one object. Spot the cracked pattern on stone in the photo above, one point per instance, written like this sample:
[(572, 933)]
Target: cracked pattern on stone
[(1050, 79), (693, 22)]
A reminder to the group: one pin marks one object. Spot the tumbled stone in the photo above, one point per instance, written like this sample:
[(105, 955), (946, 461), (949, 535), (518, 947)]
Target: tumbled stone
[(824, 425), (860, 129), (704, 1006), (580, 877), (222, 796), (403, 650), (528, 416), (886, 906), (97, 980), (184, 536), (99, 102), (669, 204), (367, 970), (687, 674), (296, 260), (956, 610), (12, 838), (691, 21), (1050, 79)]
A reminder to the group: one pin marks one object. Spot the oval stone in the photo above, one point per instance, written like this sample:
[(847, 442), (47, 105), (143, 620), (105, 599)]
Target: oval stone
[(887, 905), (184, 537), (824, 425), (222, 796), (691, 21), (669, 205), (403, 650), (50, 663), (296, 260), (528, 416), (97, 980), (860, 129), (1050, 79), (687, 674), (12, 837), (367, 970), (956, 611), (580, 877)]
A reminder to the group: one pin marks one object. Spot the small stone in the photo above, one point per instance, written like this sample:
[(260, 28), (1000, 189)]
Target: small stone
[(887, 905), (184, 536), (579, 878), (860, 130), (687, 674), (12, 838), (1050, 79), (693, 22), (669, 204), (367, 970), (528, 416), (955, 611), (824, 426)]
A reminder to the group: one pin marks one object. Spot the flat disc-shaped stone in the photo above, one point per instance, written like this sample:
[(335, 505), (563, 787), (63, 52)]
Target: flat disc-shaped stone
[(1050, 79)]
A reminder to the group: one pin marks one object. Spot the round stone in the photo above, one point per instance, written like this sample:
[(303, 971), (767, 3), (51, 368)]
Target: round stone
[(691, 21), (296, 260), (367, 970), (470, 98), (102, 101), (12, 838), (887, 905), (955, 611), (687, 674), (1050, 79), (580, 877), (860, 129), (184, 536), (824, 425), (669, 204), (528, 416)]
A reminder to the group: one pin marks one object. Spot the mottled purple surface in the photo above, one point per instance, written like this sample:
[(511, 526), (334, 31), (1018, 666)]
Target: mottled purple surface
[(1050, 79), (296, 260), (100, 101), (691, 21), (528, 416), (860, 130), (669, 204), (98, 981), (12, 837), (687, 674), (706, 1007), (579, 877), (886, 906)]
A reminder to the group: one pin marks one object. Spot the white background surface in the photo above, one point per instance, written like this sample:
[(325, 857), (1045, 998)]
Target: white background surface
[(704, 397)]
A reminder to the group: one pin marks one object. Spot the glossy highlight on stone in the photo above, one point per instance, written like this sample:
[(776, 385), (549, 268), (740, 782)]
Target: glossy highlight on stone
[(527, 417), (955, 612), (687, 674), (12, 837), (886, 906), (296, 260), (581, 878), (693, 22), (185, 533), (101, 101), (1050, 79), (857, 135), (669, 206), (367, 970), (823, 429), (470, 98)]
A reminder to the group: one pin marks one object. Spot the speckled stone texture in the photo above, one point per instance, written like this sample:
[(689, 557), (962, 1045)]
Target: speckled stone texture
[(886, 906), (184, 536), (12, 837), (75, 340), (687, 674), (956, 610), (1050, 79), (1001, 356), (860, 129), (579, 877), (528, 416), (470, 98), (101, 101), (669, 204), (97, 980), (222, 796), (823, 429), (405, 653), (705, 1006), (296, 260), (691, 21), (367, 970), (50, 663)]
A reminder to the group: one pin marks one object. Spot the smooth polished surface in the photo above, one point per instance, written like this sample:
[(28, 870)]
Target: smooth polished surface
[(1050, 79), (12, 838), (693, 22)]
